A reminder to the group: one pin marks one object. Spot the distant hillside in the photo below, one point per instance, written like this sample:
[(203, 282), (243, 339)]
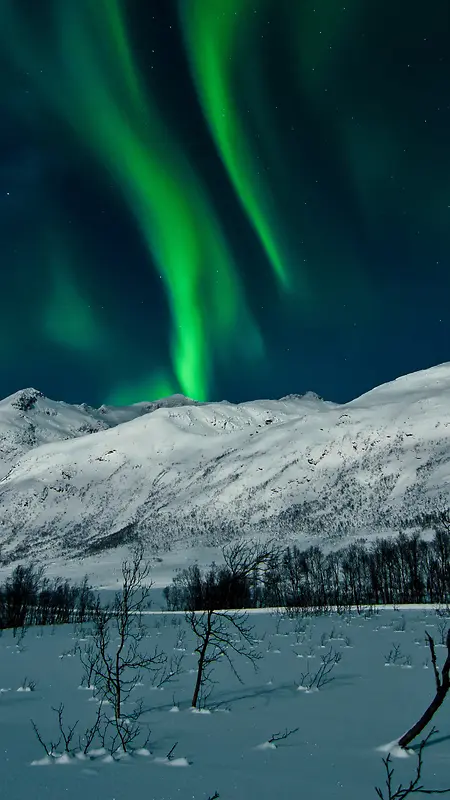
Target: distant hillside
[(78, 480)]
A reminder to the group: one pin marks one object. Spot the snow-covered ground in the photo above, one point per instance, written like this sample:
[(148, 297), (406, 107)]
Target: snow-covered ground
[(336, 752)]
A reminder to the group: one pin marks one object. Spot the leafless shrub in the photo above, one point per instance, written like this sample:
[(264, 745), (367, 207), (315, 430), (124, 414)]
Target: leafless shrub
[(181, 640), (395, 656), (300, 626), (28, 686), (322, 676), (442, 626), (279, 619), (311, 651), (20, 644), (72, 651), (279, 737), (369, 612), (65, 735)]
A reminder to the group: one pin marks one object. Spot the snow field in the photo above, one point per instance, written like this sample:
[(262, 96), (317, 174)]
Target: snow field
[(236, 745)]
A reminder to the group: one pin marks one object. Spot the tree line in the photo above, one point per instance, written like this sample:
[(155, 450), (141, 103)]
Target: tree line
[(28, 597), (402, 569), (115, 657)]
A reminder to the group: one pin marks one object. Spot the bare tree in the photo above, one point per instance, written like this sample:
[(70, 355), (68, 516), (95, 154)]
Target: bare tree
[(237, 583), (415, 786), (245, 558), (114, 661), (442, 687), (220, 635)]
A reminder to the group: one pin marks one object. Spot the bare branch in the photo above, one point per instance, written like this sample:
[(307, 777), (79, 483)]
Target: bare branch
[(90, 733), (169, 671), (278, 737), (322, 676), (415, 786), (49, 749), (169, 755), (65, 736), (243, 558), (434, 660), (442, 687)]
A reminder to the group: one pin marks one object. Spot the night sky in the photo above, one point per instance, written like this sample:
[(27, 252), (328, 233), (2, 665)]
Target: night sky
[(225, 198)]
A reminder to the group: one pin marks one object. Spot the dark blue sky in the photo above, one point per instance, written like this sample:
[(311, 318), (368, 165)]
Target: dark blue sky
[(227, 198)]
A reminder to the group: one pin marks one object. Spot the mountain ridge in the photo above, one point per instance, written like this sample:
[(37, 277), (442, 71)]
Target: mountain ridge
[(75, 480)]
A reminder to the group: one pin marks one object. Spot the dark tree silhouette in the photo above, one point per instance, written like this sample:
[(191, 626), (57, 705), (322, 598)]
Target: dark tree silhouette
[(415, 786), (220, 635), (442, 687)]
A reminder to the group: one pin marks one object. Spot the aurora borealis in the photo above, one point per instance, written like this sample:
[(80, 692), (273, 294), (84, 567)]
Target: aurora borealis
[(224, 198)]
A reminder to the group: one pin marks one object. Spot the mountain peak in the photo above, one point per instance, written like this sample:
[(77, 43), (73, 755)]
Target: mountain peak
[(25, 399)]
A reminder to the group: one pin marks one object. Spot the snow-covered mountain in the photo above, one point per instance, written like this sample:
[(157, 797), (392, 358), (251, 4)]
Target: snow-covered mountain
[(28, 419), (78, 480)]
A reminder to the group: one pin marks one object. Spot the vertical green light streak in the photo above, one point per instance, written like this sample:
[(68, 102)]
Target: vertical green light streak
[(96, 88), (213, 31)]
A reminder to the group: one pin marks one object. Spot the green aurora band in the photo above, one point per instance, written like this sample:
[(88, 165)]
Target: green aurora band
[(214, 33), (95, 87), (67, 319)]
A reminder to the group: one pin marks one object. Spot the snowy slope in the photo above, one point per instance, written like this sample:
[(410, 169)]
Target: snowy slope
[(28, 419), (198, 474)]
